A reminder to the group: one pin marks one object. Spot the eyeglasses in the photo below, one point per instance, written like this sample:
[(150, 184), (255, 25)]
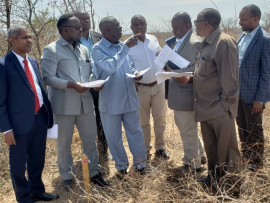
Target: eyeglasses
[(76, 27), (197, 21)]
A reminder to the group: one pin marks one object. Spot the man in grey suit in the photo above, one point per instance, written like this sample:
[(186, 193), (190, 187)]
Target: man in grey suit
[(88, 39), (66, 65), (180, 96)]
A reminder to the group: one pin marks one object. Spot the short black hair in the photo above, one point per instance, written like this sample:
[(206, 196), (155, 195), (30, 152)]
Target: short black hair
[(254, 10), (107, 21), (184, 16), (212, 16), (63, 19)]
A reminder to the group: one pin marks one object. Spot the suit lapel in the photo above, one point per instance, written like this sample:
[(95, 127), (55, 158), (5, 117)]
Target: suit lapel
[(14, 60), (184, 42), (252, 43)]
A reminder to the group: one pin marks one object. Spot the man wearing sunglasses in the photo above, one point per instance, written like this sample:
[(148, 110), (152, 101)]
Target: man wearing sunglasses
[(66, 65)]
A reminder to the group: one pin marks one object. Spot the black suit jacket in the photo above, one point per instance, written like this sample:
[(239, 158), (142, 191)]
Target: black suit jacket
[(17, 102)]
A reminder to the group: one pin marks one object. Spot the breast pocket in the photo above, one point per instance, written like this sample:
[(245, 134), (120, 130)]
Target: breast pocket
[(85, 69), (207, 67)]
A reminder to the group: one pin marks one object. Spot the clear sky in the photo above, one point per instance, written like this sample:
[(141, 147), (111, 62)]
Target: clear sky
[(159, 12)]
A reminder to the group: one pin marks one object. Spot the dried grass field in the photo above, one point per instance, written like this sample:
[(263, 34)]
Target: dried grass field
[(161, 183)]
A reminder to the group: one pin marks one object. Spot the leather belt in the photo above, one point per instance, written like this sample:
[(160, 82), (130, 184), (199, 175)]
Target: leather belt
[(147, 84)]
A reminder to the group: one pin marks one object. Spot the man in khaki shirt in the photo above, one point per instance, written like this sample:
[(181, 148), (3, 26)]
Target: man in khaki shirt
[(216, 95)]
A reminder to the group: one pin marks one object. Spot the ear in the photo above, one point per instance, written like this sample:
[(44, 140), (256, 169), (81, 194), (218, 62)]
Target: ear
[(11, 40)]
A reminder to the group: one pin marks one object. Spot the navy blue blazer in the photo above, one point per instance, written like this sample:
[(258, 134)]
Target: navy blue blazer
[(254, 73), (17, 102)]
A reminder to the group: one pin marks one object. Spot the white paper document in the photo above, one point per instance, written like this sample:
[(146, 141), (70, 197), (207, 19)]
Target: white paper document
[(53, 132), (96, 83), (162, 76), (167, 54), (140, 73)]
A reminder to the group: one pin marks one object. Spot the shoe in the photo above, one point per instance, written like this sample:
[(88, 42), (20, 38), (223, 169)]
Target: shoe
[(141, 171), (44, 197), (162, 153), (121, 174), (98, 180), (187, 168), (203, 160), (69, 182)]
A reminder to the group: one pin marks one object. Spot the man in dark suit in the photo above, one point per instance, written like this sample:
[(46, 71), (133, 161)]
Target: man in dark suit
[(254, 76), (89, 38), (25, 116)]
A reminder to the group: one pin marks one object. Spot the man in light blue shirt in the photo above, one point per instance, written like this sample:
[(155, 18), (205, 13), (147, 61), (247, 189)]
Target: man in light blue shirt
[(118, 100)]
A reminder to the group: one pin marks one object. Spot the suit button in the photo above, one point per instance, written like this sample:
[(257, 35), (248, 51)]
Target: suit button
[(195, 100)]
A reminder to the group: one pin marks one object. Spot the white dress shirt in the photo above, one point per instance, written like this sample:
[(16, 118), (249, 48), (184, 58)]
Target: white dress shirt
[(143, 55), (40, 98)]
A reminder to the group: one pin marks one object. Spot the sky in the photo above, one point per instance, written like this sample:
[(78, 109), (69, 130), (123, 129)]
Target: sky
[(159, 12)]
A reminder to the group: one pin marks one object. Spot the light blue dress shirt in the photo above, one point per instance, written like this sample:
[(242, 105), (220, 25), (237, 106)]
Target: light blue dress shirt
[(88, 43), (243, 44), (118, 94)]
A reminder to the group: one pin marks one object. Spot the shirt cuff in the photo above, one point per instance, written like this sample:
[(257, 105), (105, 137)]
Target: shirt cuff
[(7, 131)]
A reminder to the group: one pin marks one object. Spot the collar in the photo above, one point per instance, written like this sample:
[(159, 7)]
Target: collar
[(65, 43), (253, 32), (107, 43), (211, 38), (20, 58), (182, 38)]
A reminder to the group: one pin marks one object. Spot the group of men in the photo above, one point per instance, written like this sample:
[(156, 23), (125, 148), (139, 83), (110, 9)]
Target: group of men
[(227, 75)]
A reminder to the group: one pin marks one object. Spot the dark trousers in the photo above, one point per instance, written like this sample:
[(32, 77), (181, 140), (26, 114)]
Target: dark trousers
[(251, 134), (102, 143), (29, 154)]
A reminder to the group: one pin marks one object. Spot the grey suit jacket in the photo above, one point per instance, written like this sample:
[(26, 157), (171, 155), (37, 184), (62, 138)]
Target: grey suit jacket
[(62, 63), (180, 97)]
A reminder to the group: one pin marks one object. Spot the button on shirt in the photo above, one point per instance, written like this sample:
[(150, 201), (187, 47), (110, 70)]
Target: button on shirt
[(143, 55), (243, 44), (39, 94)]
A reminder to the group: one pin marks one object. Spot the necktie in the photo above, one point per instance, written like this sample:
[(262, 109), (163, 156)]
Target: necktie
[(31, 81)]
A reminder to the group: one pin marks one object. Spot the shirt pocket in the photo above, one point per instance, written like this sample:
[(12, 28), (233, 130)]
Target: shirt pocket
[(207, 67)]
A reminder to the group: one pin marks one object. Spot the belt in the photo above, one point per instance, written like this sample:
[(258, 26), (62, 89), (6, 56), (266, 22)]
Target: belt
[(147, 84)]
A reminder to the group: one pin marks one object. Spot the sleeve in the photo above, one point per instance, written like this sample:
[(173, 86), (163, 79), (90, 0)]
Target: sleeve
[(49, 65), (227, 67), (264, 83), (5, 124), (106, 63)]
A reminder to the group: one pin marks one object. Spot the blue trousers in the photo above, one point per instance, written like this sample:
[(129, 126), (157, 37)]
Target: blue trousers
[(112, 125), (29, 154)]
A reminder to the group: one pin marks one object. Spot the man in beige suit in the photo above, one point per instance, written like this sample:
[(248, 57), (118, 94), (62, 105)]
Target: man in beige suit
[(216, 95), (180, 96)]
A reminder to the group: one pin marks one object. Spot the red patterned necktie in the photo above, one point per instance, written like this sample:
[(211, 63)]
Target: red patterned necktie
[(31, 81)]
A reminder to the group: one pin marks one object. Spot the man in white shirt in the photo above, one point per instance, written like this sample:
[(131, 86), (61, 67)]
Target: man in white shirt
[(151, 95)]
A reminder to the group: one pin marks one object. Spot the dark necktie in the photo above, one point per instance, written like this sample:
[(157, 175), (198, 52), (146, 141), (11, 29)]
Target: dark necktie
[(31, 81)]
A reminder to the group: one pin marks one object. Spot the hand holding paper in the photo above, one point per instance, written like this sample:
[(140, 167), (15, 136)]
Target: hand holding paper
[(167, 54), (137, 75), (162, 76)]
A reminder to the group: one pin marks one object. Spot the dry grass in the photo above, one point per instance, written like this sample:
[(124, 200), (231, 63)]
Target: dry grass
[(162, 183)]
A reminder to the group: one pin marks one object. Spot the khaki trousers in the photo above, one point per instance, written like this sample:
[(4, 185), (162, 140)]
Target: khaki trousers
[(192, 143), (220, 142), (153, 98)]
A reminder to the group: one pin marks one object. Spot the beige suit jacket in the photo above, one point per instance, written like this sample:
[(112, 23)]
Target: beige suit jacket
[(215, 82), (181, 97)]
